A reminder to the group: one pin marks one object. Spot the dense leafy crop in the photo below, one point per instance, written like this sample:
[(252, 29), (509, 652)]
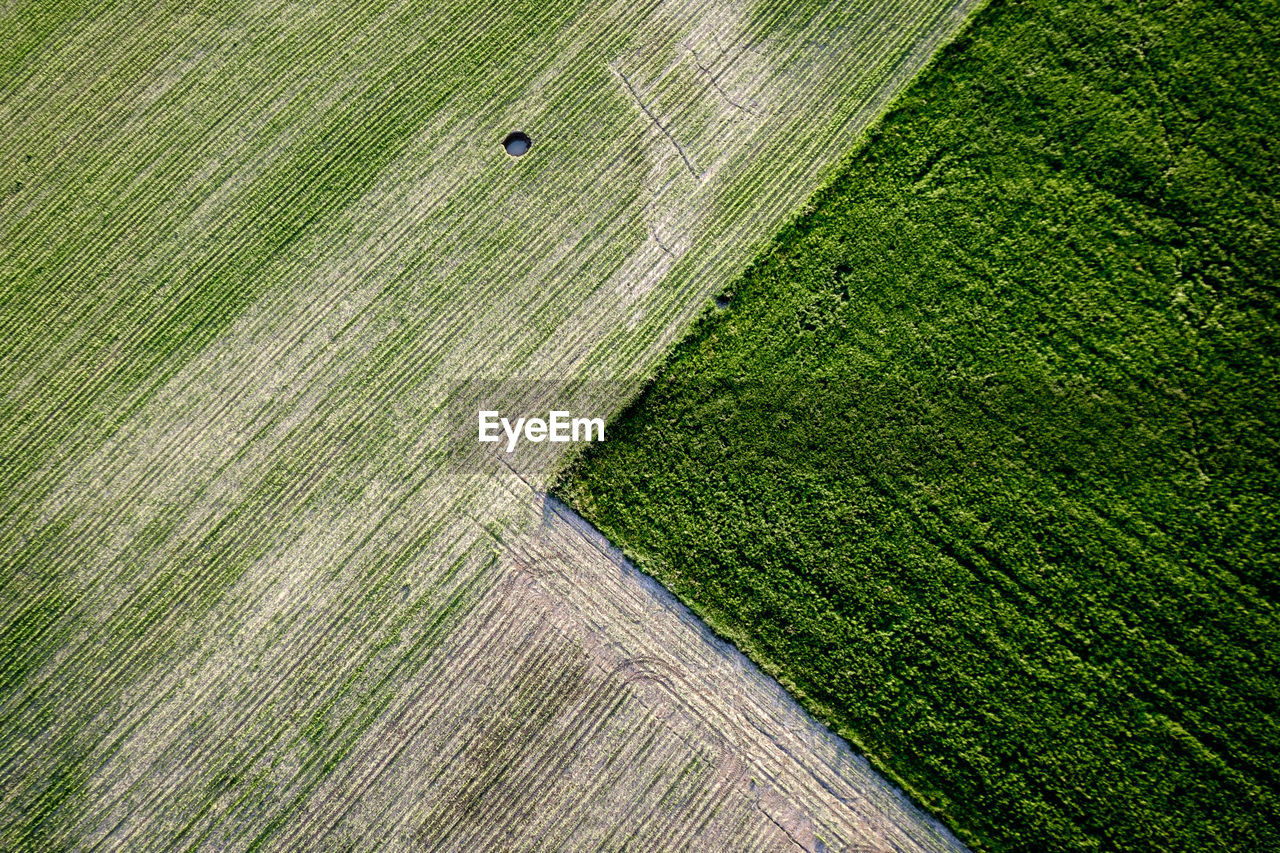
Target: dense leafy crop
[(980, 459)]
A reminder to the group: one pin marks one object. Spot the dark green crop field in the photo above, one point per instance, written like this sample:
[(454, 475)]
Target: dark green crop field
[(981, 458)]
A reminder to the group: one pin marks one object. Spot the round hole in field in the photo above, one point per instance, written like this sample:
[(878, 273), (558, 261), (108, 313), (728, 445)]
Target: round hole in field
[(722, 301), (517, 143)]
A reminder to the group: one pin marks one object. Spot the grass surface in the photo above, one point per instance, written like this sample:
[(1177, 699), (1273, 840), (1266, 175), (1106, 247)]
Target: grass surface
[(252, 257), (980, 459)]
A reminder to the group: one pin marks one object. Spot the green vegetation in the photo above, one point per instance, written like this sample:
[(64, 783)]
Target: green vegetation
[(980, 460), (254, 258)]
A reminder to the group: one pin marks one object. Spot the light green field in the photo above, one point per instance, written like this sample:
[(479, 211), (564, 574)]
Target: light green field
[(256, 592)]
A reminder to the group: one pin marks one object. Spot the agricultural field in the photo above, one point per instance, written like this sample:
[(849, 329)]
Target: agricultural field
[(980, 457), (260, 264)]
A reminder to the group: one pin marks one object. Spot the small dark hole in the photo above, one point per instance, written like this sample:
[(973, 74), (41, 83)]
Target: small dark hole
[(517, 143), (722, 301)]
